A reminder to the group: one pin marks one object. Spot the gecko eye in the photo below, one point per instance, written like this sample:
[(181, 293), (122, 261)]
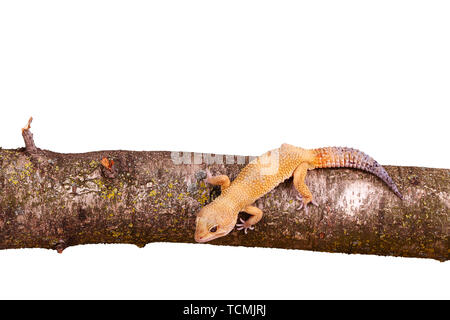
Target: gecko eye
[(213, 229)]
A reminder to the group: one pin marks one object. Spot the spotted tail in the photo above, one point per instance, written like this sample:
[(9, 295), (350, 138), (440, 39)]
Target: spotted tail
[(335, 157)]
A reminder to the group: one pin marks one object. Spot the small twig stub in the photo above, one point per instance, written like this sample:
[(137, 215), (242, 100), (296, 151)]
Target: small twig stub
[(28, 138)]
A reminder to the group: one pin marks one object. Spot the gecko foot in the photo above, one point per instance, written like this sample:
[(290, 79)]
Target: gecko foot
[(244, 225), (305, 205)]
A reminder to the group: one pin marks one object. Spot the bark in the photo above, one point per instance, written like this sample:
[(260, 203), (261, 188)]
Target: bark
[(52, 200)]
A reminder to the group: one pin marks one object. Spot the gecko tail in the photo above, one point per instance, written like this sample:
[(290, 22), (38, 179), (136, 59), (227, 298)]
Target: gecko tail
[(343, 157)]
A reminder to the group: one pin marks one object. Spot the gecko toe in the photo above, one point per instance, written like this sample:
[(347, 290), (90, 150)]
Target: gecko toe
[(244, 226)]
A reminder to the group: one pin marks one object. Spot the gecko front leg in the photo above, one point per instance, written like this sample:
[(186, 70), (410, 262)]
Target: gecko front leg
[(256, 215), (221, 180), (299, 184)]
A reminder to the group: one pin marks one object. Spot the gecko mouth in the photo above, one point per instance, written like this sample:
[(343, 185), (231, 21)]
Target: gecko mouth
[(199, 238), (207, 238)]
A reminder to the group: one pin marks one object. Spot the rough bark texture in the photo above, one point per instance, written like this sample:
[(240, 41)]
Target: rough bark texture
[(51, 200)]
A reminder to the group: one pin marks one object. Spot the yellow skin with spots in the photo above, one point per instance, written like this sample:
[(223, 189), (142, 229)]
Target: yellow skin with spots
[(266, 172)]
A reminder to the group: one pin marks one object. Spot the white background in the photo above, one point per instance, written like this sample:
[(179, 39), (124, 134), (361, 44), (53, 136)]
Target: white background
[(236, 77)]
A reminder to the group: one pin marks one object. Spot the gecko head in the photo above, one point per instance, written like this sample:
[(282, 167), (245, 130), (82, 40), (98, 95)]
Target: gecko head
[(214, 221)]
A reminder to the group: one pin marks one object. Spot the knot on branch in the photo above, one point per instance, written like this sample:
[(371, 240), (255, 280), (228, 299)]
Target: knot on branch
[(109, 169)]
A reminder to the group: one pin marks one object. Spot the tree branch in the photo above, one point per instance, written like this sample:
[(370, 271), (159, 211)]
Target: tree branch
[(60, 200)]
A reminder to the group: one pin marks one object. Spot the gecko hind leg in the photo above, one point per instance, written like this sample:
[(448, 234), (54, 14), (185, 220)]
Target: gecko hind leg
[(256, 215), (221, 180), (299, 184)]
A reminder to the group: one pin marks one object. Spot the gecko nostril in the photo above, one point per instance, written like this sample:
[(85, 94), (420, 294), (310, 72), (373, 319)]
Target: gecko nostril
[(197, 237)]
